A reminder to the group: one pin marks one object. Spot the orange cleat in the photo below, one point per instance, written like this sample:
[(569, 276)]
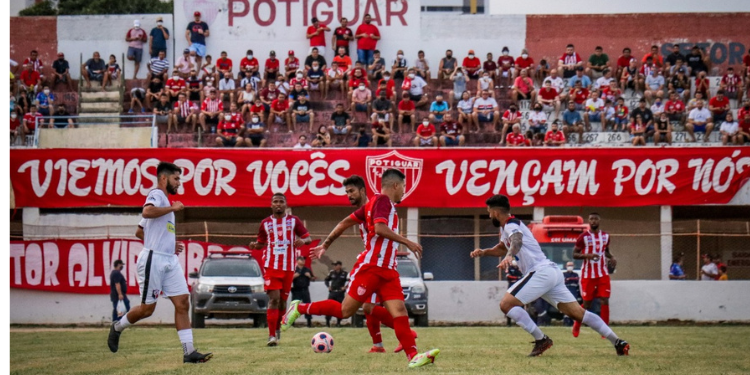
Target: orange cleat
[(576, 328)]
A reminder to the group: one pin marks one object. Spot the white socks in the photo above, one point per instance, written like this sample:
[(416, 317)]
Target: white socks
[(597, 324), (186, 338), (379, 345), (522, 318), (122, 323)]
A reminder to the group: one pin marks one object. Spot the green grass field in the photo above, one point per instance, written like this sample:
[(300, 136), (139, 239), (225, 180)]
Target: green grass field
[(471, 350)]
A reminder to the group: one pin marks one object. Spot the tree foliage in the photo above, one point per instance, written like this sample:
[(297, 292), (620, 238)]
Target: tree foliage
[(93, 7), (44, 8)]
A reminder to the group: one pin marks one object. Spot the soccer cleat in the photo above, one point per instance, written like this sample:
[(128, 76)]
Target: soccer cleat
[(425, 358), (196, 357), (576, 328), (377, 349), (399, 348), (272, 341), (291, 315), (622, 347), (540, 346), (113, 341)]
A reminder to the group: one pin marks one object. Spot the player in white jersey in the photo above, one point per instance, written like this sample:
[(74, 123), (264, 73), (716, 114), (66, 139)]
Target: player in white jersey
[(542, 279), (158, 267)]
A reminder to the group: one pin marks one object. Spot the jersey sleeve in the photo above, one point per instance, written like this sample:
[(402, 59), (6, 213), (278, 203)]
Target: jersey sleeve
[(381, 210), (262, 235), (299, 228), (579, 242), (142, 223), (153, 199), (358, 215), (511, 228)]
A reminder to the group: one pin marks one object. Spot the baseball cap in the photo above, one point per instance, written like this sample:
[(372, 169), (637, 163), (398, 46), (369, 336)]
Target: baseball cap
[(159, 19), (471, 51), (186, 50), (291, 52), (60, 54), (137, 23), (197, 13), (338, 262), (273, 53)]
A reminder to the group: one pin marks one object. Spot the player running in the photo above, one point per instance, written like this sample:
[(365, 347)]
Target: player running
[(375, 271), (279, 234), (159, 268), (593, 247), (542, 278), (355, 189)]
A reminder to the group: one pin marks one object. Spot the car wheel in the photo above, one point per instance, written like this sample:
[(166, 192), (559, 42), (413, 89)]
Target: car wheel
[(358, 321), (421, 320), (198, 320), (259, 321)]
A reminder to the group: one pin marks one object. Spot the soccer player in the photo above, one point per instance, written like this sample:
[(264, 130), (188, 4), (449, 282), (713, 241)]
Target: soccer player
[(158, 266), (593, 247), (375, 271), (542, 278), (279, 235)]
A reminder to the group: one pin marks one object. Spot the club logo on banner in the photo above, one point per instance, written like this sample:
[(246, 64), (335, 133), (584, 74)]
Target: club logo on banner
[(411, 167)]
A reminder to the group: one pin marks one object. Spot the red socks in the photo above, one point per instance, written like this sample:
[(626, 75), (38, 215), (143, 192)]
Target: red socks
[(373, 325), (272, 319), (381, 314), (604, 314), (404, 335), (327, 307)]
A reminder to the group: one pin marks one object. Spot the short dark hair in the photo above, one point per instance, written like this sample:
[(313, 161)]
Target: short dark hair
[(498, 201), (167, 168), (355, 180), (595, 214), (376, 51), (570, 46), (390, 175), (301, 258), (723, 269), (598, 47), (676, 45), (626, 49), (655, 46), (278, 195), (118, 263)]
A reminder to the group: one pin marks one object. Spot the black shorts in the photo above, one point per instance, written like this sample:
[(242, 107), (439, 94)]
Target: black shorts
[(228, 141), (242, 74), (255, 139), (406, 119), (271, 76), (194, 96), (181, 120), (212, 120), (415, 98)]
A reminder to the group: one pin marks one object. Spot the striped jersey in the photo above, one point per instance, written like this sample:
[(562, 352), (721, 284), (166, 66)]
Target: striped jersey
[(378, 251), (215, 105), (279, 235), (594, 243), (184, 107)]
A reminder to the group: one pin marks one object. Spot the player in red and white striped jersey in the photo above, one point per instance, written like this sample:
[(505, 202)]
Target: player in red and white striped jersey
[(375, 271), (593, 247), (279, 235)]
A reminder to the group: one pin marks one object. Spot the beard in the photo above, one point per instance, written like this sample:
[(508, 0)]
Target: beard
[(496, 222), (594, 227), (171, 189)]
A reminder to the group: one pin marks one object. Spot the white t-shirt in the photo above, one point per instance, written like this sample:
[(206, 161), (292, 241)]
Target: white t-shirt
[(557, 83), (530, 257), (466, 106), (226, 84), (597, 104), (603, 82), (656, 109), (159, 233), (417, 86), (700, 115), (485, 104), (537, 118), (730, 127), (709, 268), (298, 146)]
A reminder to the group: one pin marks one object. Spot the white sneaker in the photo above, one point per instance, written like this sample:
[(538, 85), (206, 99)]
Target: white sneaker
[(272, 341)]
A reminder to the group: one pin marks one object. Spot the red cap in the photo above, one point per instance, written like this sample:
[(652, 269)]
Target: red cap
[(60, 54), (197, 14), (291, 52)]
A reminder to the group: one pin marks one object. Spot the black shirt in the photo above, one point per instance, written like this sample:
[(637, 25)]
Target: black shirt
[(382, 105), (116, 277), (162, 108), (155, 87), (336, 280), (340, 119), (299, 106), (62, 122), (320, 59), (294, 94), (301, 281), (673, 57), (60, 66), (645, 113), (94, 65), (662, 125), (696, 64)]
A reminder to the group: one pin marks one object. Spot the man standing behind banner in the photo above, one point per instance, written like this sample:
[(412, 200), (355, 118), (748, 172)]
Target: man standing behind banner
[(118, 289), (336, 283)]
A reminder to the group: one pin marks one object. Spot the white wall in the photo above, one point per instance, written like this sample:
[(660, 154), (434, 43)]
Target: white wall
[(71, 226), (615, 7), (19, 5), (450, 301), (78, 35)]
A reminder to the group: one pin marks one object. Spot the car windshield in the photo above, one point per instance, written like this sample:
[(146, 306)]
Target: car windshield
[(231, 267), (407, 269), (560, 253)]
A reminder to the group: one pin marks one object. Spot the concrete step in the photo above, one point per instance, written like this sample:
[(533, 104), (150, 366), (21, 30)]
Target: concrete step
[(108, 107), (97, 87), (100, 96), (98, 117)]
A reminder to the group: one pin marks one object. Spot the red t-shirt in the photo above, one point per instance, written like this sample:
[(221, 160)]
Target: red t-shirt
[(30, 119), (317, 40), (472, 64), (623, 61), (674, 107), (548, 95), (279, 105), (247, 62), (579, 95), (659, 60), (15, 123), (257, 108), (279, 235), (524, 63), (489, 66), (743, 117), (575, 58), (268, 95), (555, 137), (37, 64), (513, 139), (224, 64), (406, 106), (272, 64), (30, 78), (426, 131), (340, 33), (746, 60), (367, 42), (451, 128), (390, 87), (175, 84), (344, 62), (231, 127), (505, 62), (291, 64), (354, 81), (510, 116), (732, 83), (621, 112), (719, 103)]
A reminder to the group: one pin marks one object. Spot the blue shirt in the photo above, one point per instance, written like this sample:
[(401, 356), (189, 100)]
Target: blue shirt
[(438, 107), (159, 42), (44, 100), (571, 117), (676, 270), (585, 81)]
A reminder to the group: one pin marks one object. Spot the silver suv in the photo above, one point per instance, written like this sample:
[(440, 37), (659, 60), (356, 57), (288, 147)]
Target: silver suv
[(229, 285)]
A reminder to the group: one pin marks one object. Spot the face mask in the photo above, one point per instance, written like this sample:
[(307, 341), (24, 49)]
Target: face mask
[(537, 109), (299, 75), (524, 55), (570, 268), (46, 92), (747, 107), (400, 56), (505, 53), (440, 101), (486, 77), (13, 115), (459, 74), (471, 56), (316, 67), (136, 27), (412, 76), (227, 117), (663, 120), (361, 88), (449, 56), (249, 57), (159, 23), (731, 74), (209, 83), (425, 123), (255, 120), (386, 78), (658, 102), (278, 83)]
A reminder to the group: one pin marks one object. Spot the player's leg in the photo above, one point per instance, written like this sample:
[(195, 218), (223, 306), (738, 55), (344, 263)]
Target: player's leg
[(588, 293), (603, 290), (527, 290), (175, 287), (373, 326), (272, 314)]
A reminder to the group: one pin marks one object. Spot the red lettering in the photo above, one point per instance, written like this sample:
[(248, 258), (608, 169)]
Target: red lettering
[(400, 14), (232, 13), (352, 20), (304, 13), (328, 19), (289, 10), (271, 16), (372, 6)]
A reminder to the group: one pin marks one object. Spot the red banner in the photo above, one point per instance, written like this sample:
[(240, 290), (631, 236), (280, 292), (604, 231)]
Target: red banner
[(434, 178)]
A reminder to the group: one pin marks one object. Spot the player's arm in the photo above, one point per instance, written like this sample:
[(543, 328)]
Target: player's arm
[(152, 212), (139, 233), (496, 251), (516, 242), (119, 290), (382, 230)]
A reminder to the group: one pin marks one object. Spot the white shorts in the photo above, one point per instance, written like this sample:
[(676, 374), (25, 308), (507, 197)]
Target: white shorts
[(157, 273), (547, 283)]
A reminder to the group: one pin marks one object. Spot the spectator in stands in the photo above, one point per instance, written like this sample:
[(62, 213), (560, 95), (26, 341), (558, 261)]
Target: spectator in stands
[(554, 137), (729, 130), (679, 66), (511, 117), (569, 62), (227, 87), (196, 34), (719, 106), (256, 106), (194, 86), (363, 139), (472, 65), (406, 111), (162, 109), (341, 125), (158, 37), (249, 69), (702, 84), (254, 132), (61, 72), (743, 117), (174, 86), (448, 65), (315, 56), (675, 271), (578, 95), (658, 107), (515, 138), (400, 65), (623, 62), (696, 61), (94, 69), (675, 108), (367, 36), (611, 92), (644, 112), (486, 111), (731, 84), (291, 67), (298, 91), (388, 86), (158, 66), (459, 85), (322, 137), (709, 271), (302, 143), (382, 108), (604, 80), (22, 101), (425, 135), (542, 71), (557, 83), (538, 119), (672, 58), (451, 132), (438, 109), (631, 79), (154, 91), (654, 55), (317, 35), (376, 66), (137, 97), (523, 87), (361, 98), (279, 111), (579, 77), (283, 85), (357, 77), (572, 122), (465, 111), (681, 84), (31, 119), (229, 128), (416, 88), (598, 63), (301, 112), (45, 103), (112, 73), (608, 115), (638, 131), (381, 133), (223, 65), (700, 120), (334, 79), (16, 128), (135, 38), (422, 67), (663, 129), (593, 110), (268, 95), (184, 112), (185, 63), (524, 62), (490, 66), (211, 111), (315, 78), (654, 86), (505, 64), (342, 36), (208, 70), (723, 274), (692, 103), (271, 69)]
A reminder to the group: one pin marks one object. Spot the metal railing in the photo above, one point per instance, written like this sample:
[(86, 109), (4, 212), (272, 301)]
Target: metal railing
[(135, 120)]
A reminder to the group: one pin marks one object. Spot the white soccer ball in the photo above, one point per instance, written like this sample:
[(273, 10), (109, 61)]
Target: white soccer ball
[(322, 342)]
